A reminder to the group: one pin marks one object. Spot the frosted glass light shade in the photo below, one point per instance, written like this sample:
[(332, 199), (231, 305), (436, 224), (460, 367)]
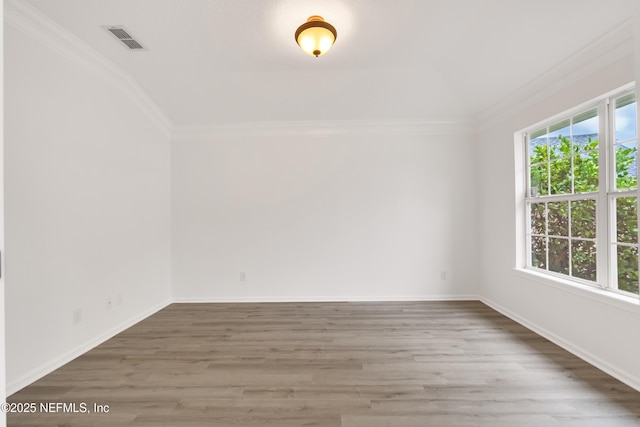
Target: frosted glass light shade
[(316, 36)]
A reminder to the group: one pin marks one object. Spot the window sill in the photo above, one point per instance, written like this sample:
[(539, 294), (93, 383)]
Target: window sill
[(631, 304)]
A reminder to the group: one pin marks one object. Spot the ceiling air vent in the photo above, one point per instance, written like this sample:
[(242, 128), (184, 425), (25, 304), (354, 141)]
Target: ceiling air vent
[(120, 33)]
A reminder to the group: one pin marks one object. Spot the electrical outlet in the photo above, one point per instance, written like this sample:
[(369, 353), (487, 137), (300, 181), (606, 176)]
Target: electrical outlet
[(243, 276), (109, 303), (443, 275), (77, 316)]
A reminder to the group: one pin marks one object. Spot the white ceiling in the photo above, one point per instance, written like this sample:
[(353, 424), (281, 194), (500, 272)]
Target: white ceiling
[(234, 61)]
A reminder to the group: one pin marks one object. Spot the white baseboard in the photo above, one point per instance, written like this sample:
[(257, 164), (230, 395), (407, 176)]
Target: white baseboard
[(344, 298), (67, 357), (587, 356)]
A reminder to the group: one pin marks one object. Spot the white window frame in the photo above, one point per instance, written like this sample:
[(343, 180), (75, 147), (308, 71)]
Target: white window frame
[(606, 262)]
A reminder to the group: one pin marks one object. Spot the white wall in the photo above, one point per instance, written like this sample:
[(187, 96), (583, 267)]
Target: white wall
[(3, 380), (313, 217), (605, 334), (87, 207)]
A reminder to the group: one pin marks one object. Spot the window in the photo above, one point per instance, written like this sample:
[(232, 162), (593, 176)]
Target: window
[(581, 195)]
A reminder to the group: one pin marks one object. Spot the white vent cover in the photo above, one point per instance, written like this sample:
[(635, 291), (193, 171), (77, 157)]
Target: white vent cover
[(124, 36)]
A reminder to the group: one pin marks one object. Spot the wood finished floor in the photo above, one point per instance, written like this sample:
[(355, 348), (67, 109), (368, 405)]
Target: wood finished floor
[(394, 364)]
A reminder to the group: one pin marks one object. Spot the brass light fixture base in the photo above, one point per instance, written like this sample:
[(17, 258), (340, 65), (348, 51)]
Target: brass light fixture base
[(316, 36)]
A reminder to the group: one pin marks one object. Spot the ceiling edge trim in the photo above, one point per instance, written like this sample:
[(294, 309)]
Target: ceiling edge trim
[(33, 23), (323, 128), (600, 53)]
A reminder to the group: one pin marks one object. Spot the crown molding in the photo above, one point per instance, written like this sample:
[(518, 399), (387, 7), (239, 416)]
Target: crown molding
[(33, 23), (322, 128), (613, 46)]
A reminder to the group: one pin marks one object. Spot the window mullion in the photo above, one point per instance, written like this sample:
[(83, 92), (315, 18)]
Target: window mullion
[(527, 211), (564, 197), (603, 231), (570, 233)]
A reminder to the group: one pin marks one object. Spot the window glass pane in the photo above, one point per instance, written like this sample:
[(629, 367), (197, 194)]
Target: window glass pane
[(539, 252), (558, 217), (559, 146), (537, 218), (585, 171), (560, 128), (560, 171), (583, 259), (538, 149), (627, 220), (559, 255), (626, 165), (583, 219), (585, 131), (627, 268), (539, 180), (626, 118), (542, 132), (559, 142)]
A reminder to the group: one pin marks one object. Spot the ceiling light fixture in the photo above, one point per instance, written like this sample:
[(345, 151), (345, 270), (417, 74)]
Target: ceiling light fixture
[(316, 36)]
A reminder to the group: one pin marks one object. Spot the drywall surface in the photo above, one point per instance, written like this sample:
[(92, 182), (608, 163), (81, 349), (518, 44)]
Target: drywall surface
[(347, 216), (87, 208), (3, 378)]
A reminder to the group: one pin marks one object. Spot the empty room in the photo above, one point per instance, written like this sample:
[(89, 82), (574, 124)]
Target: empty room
[(320, 213)]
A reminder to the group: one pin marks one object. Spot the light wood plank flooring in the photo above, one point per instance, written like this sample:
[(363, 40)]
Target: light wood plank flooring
[(394, 364)]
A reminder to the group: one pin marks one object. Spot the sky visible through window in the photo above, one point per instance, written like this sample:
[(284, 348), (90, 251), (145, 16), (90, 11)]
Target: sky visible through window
[(625, 125), (626, 122), (625, 118)]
